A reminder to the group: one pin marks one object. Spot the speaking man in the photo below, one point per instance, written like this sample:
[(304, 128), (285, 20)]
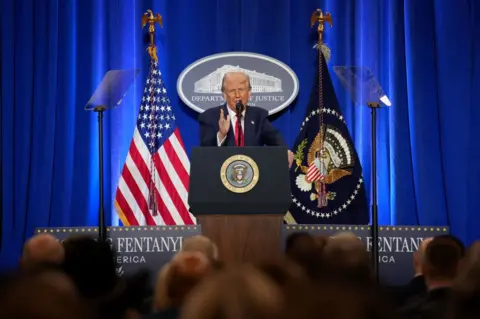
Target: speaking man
[(235, 123)]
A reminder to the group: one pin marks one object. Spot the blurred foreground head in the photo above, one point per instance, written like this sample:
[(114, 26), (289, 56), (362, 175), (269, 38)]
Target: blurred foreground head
[(185, 271), (91, 265), (442, 259), (466, 296), (305, 250), (201, 244), (234, 293), (345, 257), (42, 295), (41, 250)]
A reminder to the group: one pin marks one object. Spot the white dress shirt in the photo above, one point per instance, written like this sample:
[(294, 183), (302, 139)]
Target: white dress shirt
[(233, 121)]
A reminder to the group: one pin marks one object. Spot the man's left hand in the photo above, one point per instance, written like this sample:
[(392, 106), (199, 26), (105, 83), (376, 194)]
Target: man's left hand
[(290, 158)]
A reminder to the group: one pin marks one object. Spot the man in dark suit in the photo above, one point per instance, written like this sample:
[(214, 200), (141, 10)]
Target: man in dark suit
[(442, 258), (253, 128)]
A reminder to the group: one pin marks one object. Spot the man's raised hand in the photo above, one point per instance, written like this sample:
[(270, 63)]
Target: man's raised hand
[(223, 125)]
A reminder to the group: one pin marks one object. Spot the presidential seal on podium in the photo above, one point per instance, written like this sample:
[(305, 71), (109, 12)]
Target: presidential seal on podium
[(239, 173)]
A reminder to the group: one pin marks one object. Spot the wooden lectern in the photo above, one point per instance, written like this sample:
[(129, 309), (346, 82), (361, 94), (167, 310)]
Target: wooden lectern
[(239, 197)]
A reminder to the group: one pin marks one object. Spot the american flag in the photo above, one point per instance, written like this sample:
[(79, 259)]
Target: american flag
[(313, 173), (153, 186)]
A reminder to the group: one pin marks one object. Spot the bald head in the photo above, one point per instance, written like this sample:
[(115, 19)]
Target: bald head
[(42, 249)]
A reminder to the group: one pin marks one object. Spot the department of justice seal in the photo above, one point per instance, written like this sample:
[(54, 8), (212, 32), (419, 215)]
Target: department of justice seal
[(239, 173)]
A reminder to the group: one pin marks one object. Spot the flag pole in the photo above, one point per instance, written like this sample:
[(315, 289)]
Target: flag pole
[(150, 19), (319, 17)]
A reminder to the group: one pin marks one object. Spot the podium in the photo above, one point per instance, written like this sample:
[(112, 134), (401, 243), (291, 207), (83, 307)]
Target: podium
[(239, 196)]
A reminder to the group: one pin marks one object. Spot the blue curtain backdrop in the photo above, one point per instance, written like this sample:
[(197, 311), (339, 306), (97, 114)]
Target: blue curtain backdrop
[(55, 52)]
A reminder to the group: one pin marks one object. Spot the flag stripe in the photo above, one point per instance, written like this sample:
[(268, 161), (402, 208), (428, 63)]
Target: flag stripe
[(177, 144), (176, 153), (174, 216), (157, 168), (138, 197), (179, 194), (179, 177), (145, 173), (121, 215), (176, 161), (123, 203), (170, 194), (143, 188)]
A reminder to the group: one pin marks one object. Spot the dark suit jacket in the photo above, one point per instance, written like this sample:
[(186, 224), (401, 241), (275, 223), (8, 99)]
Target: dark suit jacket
[(434, 305), (258, 130), (413, 290)]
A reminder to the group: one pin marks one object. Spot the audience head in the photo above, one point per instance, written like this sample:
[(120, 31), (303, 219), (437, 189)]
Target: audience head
[(442, 258), (466, 287), (419, 256), (298, 241), (201, 244), (345, 256), (41, 250), (305, 250), (282, 272), (185, 271), (243, 292), (160, 298), (91, 265), (42, 295)]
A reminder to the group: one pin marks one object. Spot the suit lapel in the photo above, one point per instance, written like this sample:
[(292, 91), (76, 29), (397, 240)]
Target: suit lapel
[(248, 128)]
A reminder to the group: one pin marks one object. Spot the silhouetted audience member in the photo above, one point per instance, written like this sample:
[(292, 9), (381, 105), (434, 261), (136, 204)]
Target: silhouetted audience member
[(204, 245), (282, 272), (43, 250), (91, 265), (333, 300), (344, 257), (160, 299), (184, 272), (416, 286), (442, 258), (39, 295), (305, 250), (466, 288), (201, 244), (233, 293)]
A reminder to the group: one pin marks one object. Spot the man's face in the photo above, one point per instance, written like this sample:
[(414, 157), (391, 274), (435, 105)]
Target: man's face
[(236, 89)]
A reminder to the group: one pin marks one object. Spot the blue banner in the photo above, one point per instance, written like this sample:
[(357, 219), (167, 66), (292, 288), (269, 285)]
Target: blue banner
[(153, 246)]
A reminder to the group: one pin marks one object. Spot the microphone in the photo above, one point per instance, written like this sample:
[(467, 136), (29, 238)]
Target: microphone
[(239, 107)]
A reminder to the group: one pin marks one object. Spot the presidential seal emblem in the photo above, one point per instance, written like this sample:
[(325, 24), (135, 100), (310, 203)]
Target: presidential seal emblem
[(326, 165), (239, 173)]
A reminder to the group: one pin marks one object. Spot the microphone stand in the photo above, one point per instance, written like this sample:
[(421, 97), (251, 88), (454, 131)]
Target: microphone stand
[(373, 106), (102, 229)]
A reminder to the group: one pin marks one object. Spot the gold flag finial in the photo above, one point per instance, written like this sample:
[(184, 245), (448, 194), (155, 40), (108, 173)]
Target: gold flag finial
[(318, 16), (151, 19)]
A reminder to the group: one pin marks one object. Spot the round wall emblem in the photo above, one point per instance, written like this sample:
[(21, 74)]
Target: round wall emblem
[(274, 84), (239, 173)]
